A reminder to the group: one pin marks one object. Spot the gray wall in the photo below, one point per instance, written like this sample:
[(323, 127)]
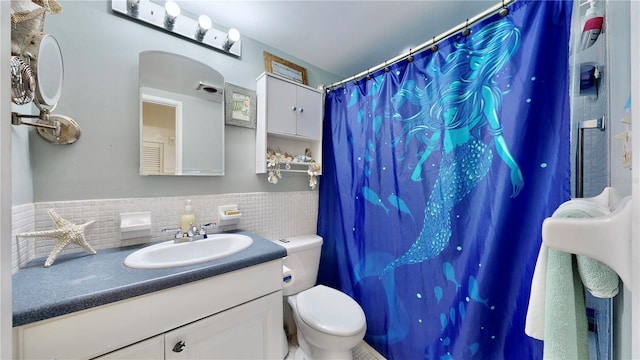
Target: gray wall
[(618, 22), (100, 92), (21, 180)]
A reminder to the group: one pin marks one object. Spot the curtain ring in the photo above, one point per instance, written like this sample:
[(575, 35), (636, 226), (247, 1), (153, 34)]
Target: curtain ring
[(386, 68), (355, 81), (368, 76), (504, 11), (410, 57), (434, 45), (466, 30)]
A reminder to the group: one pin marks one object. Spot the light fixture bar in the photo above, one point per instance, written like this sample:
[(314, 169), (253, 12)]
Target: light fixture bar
[(183, 25)]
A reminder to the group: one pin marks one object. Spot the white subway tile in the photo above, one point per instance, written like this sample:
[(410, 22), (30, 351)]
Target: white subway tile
[(272, 215)]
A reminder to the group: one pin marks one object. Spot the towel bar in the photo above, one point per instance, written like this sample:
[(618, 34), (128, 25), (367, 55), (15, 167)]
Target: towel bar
[(605, 238)]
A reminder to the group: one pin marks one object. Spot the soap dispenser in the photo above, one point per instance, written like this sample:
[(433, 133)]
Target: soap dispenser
[(591, 25), (188, 218)]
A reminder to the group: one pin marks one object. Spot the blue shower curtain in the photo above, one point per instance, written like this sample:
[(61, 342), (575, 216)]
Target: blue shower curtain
[(438, 173)]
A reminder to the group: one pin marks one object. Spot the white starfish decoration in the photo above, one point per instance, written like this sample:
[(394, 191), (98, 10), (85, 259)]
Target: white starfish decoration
[(66, 233)]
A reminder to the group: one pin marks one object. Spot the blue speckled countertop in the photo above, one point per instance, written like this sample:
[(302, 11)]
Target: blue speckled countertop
[(81, 281)]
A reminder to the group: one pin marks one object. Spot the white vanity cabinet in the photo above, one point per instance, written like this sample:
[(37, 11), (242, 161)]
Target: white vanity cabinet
[(150, 349), (233, 315), (289, 118), (243, 332)]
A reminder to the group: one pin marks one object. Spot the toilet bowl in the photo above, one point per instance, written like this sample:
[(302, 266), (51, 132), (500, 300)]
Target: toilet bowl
[(330, 323)]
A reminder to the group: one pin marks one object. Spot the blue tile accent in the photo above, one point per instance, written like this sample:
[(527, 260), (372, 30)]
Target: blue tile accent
[(81, 281)]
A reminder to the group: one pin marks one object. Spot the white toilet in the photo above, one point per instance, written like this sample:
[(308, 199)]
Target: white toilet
[(329, 323)]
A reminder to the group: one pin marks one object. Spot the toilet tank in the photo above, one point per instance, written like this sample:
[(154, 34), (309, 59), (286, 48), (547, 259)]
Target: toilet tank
[(303, 258)]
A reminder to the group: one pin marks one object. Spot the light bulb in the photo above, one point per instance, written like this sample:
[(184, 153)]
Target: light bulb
[(233, 35), (204, 23), (172, 9)]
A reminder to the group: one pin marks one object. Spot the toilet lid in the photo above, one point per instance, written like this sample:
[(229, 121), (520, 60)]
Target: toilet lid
[(331, 311)]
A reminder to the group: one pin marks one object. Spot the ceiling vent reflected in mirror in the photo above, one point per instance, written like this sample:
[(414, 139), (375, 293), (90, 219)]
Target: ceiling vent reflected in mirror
[(167, 16), (211, 89)]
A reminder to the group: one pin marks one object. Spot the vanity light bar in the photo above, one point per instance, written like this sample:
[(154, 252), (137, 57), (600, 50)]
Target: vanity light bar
[(170, 18)]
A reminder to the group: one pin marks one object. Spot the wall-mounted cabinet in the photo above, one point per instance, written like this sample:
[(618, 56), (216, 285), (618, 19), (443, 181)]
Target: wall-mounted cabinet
[(292, 110), (289, 121)]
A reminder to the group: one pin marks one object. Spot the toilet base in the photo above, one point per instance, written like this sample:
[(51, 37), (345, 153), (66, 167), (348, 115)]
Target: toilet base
[(307, 351)]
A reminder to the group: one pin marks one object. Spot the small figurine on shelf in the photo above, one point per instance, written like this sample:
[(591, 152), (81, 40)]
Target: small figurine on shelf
[(313, 172), (303, 158), (274, 160), (625, 136)]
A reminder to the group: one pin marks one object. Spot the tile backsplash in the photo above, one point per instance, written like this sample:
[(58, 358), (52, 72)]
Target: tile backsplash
[(272, 215)]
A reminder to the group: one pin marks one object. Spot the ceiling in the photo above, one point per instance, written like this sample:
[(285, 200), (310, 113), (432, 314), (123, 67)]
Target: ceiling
[(342, 37)]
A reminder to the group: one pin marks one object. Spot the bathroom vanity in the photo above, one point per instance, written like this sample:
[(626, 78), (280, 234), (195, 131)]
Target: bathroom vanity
[(95, 307)]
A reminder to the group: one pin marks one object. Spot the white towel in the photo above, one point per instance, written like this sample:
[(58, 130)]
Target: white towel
[(534, 325)]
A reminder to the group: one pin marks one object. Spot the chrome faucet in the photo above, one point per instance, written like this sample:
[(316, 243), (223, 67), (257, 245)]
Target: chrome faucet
[(178, 236), (192, 234)]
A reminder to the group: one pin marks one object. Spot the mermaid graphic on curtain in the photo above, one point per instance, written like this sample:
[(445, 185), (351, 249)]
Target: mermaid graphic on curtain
[(438, 173), (455, 110)]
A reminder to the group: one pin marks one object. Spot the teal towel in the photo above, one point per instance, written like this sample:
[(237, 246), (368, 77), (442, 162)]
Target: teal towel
[(565, 326), (599, 279)]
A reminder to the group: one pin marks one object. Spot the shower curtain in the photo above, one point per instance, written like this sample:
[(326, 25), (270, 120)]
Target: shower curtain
[(438, 173)]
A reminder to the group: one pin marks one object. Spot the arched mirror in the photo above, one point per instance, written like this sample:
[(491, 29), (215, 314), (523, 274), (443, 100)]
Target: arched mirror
[(181, 116)]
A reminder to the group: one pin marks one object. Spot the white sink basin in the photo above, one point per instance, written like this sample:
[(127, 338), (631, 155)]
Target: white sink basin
[(169, 254)]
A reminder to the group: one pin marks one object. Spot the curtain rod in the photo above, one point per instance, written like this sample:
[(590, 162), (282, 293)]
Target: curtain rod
[(433, 41)]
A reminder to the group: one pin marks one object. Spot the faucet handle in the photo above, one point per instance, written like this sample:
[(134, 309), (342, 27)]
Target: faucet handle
[(203, 226), (178, 231), (193, 231)]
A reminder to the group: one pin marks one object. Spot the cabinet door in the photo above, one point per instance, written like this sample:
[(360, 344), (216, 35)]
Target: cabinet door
[(309, 122), (253, 330), (281, 107), (152, 349)]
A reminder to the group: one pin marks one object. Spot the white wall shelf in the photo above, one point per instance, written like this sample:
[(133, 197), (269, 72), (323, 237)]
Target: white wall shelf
[(289, 121)]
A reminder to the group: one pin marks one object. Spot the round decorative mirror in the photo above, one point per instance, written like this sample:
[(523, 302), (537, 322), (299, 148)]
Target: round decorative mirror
[(46, 61)]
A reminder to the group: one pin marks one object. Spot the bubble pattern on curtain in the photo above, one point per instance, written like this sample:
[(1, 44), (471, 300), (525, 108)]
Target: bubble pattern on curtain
[(438, 174)]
